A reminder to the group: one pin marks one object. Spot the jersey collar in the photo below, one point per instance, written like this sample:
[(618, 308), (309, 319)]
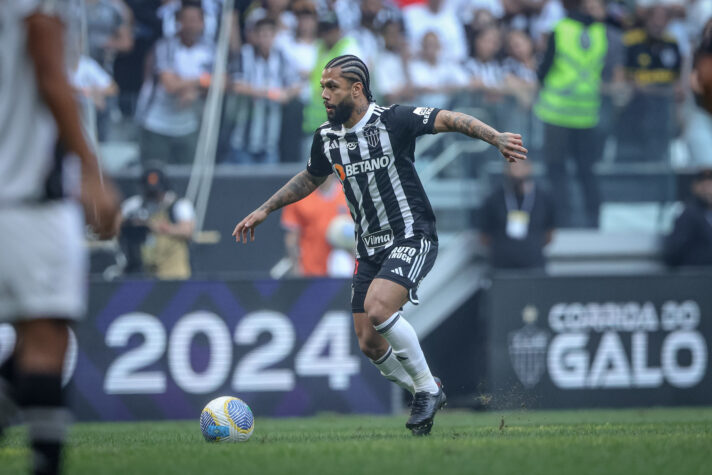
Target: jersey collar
[(363, 120)]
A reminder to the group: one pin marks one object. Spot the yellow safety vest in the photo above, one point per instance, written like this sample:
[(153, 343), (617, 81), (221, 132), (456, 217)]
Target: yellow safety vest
[(570, 96)]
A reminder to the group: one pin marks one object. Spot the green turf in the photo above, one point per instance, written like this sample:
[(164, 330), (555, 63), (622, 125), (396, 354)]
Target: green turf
[(651, 441)]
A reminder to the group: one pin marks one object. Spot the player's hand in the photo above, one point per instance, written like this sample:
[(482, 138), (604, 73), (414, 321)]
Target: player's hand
[(248, 225), (511, 147), (101, 205)]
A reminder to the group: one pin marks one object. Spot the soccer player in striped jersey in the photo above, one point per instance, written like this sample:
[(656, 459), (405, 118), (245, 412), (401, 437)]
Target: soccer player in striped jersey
[(43, 264), (371, 150)]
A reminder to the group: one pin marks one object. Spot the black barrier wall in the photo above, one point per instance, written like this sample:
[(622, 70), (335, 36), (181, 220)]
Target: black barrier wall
[(600, 341)]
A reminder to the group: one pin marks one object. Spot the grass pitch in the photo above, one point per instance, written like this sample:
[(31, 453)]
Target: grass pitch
[(651, 441)]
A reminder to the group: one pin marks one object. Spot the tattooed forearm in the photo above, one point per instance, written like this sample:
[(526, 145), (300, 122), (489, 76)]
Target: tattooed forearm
[(301, 185), (448, 121)]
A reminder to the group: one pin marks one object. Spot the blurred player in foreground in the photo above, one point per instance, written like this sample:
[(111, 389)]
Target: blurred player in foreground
[(702, 71), (371, 150), (43, 265)]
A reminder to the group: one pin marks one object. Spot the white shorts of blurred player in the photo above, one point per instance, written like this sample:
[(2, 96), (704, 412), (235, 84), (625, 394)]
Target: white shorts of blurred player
[(43, 268)]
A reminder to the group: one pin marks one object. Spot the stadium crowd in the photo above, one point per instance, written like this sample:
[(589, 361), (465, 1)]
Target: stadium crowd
[(444, 53), (148, 63)]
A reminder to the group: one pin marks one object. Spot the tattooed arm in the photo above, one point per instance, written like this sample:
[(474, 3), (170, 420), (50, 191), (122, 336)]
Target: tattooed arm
[(300, 186), (510, 145)]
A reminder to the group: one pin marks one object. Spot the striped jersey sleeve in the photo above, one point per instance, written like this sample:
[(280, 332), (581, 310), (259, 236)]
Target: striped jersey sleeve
[(318, 164), (412, 122)]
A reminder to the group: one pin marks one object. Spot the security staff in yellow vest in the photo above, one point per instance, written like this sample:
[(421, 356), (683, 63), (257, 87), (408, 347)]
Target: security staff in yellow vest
[(569, 102), (157, 228)]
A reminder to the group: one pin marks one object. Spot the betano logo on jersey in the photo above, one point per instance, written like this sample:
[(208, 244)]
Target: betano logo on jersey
[(365, 166)]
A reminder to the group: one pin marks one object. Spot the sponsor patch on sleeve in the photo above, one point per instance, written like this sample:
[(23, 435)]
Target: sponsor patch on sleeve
[(424, 111)]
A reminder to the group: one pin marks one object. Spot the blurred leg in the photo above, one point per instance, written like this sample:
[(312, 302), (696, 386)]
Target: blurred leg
[(183, 148), (556, 140), (586, 156), (42, 344)]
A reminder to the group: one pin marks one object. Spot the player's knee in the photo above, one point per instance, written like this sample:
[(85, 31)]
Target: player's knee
[(377, 309), (369, 343), (374, 348), (370, 349), (44, 343)]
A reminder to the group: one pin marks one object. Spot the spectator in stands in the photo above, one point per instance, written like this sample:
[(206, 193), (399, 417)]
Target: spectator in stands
[(481, 20), (653, 62), (690, 242), (435, 77), (543, 21), (520, 83), (392, 76), (95, 86), (306, 223), (169, 11), (519, 64), (303, 49), (109, 30), (171, 99), (468, 10), (367, 33), (277, 11), (264, 80), (129, 67), (517, 221), (538, 17), (569, 105), (485, 70), (435, 16), (332, 43), (157, 227)]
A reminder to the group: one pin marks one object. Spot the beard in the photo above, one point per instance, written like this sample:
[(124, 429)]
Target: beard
[(341, 113)]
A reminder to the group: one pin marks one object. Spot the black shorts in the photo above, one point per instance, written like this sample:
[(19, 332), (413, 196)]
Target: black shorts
[(406, 262)]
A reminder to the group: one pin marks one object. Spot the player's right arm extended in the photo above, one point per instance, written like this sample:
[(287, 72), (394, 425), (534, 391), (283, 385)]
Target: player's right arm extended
[(300, 186), (509, 144), (45, 45)]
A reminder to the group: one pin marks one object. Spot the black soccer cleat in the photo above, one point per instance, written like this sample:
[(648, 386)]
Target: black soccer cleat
[(425, 405)]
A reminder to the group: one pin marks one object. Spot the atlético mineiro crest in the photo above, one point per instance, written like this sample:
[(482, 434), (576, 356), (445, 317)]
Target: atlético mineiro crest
[(372, 136), (527, 349)]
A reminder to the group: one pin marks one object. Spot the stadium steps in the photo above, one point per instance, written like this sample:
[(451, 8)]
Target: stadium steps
[(454, 278)]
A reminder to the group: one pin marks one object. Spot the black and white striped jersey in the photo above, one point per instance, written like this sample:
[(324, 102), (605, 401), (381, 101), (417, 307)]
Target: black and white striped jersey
[(375, 162)]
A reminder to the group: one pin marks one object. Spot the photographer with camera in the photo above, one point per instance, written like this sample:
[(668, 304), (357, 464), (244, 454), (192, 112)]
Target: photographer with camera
[(157, 228)]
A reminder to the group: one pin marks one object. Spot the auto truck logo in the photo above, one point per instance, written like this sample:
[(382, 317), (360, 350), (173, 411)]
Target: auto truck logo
[(527, 349)]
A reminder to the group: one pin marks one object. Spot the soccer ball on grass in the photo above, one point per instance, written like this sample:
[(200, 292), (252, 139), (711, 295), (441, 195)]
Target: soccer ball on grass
[(227, 419)]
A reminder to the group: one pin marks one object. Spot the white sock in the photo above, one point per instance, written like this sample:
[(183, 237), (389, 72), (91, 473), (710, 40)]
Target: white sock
[(393, 370), (404, 341)]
